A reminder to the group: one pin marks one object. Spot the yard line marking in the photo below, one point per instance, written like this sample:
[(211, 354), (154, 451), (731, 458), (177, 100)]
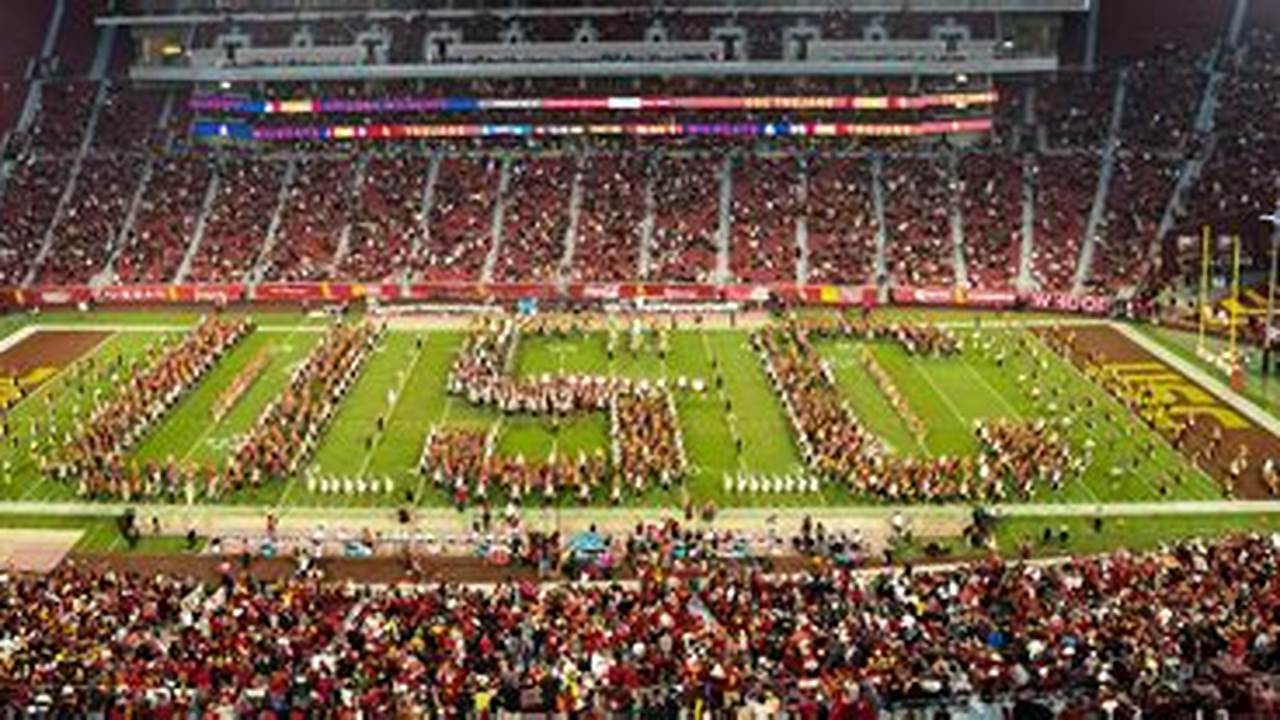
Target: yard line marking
[(983, 381), (722, 392), (391, 411), (955, 411)]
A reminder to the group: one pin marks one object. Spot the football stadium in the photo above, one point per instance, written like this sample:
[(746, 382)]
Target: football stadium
[(690, 358)]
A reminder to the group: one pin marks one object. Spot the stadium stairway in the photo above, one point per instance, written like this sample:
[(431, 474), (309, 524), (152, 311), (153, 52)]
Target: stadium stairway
[(877, 202), (162, 121), (68, 191), (1106, 171), (102, 55), (645, 259), (107, 274), (575, 210), (197, 235), (1026, 281), (802, 225), (1194, 163), (499, 211), (344, 237), (424, 216), (1238, 15), (1028, 112), (259, 268), (726, 222), (957, 224)]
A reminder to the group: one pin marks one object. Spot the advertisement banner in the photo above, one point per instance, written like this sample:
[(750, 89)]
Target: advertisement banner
[(747, 293), (473, 292), (1066, 302), (925, 296)]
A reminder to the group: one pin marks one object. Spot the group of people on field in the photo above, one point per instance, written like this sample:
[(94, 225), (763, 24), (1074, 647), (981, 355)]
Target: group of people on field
[(1014, 457), (645, 447), (291, 427), (93, 455)]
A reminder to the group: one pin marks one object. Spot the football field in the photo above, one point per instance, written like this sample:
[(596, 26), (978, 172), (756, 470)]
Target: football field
[(404, 384)]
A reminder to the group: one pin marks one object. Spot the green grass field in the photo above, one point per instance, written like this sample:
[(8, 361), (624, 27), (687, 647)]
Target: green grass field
[(403, 383)]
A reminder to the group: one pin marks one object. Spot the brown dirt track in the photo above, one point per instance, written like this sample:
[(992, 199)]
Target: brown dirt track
[(1110, 346), (48, 348), (382, 569)]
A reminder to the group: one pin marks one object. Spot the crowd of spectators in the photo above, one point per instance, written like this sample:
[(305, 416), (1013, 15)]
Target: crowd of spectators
[(1074, 109), (991, 207), (94, 454), (460, 227), (1162, 97), (610, 219), (1240, 178), (65, 108), (841, 220), (237, 223), (387, 218), (313, 218), (128, 120), (535, 219), (31, 196), (766, 205), (686, 197), (1183, 628), (920, 196), (645, 448), (1064, 190), (166, 219), (288, 431), (457, 236), (87, 229), (1141, 186)]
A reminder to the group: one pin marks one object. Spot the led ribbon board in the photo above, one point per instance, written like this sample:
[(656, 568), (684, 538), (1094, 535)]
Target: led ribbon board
[(246, 131), (367, 106)]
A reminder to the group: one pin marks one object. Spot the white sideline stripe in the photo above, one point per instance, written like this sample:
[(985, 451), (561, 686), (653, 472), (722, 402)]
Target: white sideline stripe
[(161, 327), (16, 337), (1246, 406), (447, 516)]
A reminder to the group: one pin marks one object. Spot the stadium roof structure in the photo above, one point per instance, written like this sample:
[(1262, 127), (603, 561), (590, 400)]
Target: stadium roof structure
[(221, 8), (281, 41)]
